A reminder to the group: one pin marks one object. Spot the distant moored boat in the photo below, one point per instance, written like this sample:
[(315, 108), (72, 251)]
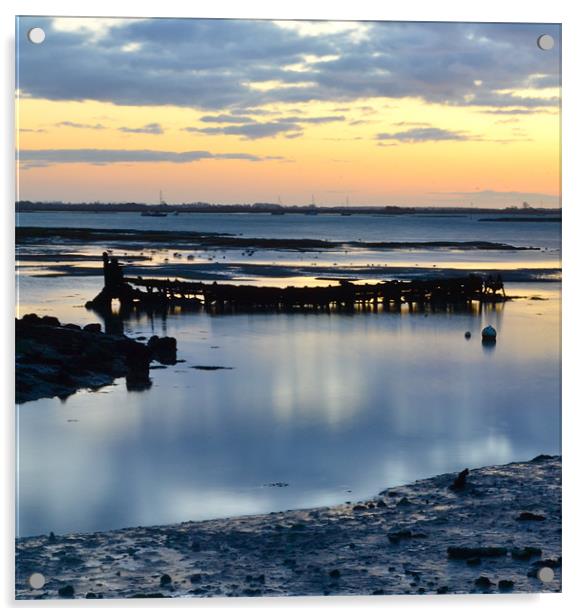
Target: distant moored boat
[(154, 214), (157, 213)]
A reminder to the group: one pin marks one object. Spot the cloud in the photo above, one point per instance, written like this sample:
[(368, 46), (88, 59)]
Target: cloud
[(313, 119), (223, 65), (150, 129), (38, 158), (252, 130), (420, 135), (69, 124), (225, 118), (290, 126), (497, 198), (515, 111)]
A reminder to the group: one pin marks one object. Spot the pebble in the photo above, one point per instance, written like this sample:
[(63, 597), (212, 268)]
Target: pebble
[(483, 582), (525, 553), (66, 591), (528, 516)]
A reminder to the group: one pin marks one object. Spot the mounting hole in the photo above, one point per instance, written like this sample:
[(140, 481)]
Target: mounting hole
[(36, 35), (546, 42), (546, 575), (36, 581)]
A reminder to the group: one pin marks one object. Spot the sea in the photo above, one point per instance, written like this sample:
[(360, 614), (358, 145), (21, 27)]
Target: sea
[(310, 408)]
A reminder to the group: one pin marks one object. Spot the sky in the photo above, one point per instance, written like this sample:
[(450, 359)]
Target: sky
[(244, 111)]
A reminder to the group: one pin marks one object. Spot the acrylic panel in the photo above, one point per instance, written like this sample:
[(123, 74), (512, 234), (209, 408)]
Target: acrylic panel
[(288, 308)]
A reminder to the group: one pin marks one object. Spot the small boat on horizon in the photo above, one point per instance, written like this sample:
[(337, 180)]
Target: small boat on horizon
[(154, 214), (157, 213)]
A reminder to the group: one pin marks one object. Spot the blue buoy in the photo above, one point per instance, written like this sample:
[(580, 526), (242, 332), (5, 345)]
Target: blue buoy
[(488, 333)]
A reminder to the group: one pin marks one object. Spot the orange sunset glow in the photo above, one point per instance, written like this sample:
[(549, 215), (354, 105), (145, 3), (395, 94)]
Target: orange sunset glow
[(349, 113)]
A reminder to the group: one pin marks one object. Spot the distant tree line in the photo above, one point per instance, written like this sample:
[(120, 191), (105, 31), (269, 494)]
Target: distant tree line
[(59, 206)]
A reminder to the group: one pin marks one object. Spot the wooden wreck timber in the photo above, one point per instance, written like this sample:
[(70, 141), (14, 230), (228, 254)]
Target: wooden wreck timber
[(344, 294)]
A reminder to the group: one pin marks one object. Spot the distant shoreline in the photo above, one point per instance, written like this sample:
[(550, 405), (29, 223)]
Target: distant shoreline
[(491, 533), (274, 208)]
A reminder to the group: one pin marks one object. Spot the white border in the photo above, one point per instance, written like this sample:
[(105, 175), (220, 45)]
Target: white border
[(566, 12)]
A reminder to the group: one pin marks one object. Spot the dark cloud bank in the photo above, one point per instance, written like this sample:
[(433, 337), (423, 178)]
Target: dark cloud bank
[(210, 64)]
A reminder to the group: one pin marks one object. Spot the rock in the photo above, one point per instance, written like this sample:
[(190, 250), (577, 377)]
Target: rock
[(66, 591), (399, 535), (541, 458), (483, 582), (165, 579), (335, 573), (553, 563), (31, 319), (465, 553), (163, 349), (381, 504), (442, 590), (96, 328), (51, 321), (138, 361), (72, 326), (378, 591), (90, 595), (525, 553), (258, 579), (488, 333), (359, 508), (528, 516), (505, 584), (459, 482)]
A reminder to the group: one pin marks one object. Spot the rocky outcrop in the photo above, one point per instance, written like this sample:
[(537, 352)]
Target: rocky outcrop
[(56, 360), (164, 350)]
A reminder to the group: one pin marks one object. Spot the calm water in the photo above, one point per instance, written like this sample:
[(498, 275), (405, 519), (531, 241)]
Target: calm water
[(338, 407), (252, 266), (365, 228)]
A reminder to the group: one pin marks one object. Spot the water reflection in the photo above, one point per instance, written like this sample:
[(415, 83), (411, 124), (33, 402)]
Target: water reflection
[(324, 402)]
